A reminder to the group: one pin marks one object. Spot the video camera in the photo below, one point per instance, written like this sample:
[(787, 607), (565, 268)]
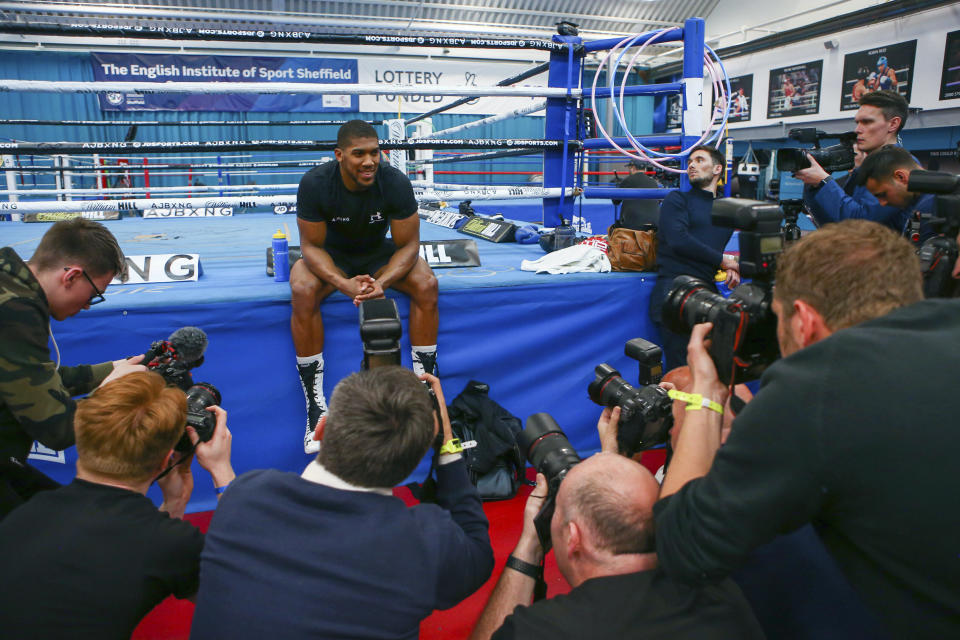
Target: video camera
[(645, 413), (173, 359), (839, 157), (549, 451), (744, 334), (380, 331), (939, 254)]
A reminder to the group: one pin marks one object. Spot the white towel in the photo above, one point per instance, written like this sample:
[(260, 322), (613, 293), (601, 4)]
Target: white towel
[(578, 258)]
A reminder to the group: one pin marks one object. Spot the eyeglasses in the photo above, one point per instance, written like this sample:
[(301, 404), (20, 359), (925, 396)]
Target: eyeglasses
[(97, 296)]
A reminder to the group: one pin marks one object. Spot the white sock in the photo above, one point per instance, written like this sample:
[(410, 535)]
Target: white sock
[(424, 359)]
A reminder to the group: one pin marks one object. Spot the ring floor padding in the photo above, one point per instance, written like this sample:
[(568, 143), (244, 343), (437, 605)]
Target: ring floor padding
[(534, 338)]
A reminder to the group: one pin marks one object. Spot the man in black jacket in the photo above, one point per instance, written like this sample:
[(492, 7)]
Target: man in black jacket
[(850, 431)]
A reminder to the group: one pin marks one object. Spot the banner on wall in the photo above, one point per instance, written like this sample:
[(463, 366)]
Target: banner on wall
[(950, 78), (795, 90), (129, 67), (111, 67), (427, 73), (741, 98), (889, 67)]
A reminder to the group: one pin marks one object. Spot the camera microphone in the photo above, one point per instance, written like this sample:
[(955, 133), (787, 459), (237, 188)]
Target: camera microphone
[(189, 343)]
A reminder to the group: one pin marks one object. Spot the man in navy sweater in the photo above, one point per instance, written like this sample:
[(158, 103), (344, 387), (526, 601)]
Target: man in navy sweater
[(331, 553), (689, 244)]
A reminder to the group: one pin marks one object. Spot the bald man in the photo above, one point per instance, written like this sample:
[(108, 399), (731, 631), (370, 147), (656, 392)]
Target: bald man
[(602, 532)]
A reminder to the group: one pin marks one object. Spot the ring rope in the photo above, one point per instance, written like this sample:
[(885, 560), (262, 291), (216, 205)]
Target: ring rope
[(269, 88), (145, 204), (179, 123)]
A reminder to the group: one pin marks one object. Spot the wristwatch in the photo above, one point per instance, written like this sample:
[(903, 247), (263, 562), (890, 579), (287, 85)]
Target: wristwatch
[(823, 182)]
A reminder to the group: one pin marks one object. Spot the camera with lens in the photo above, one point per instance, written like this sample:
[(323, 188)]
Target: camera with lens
[(173, 359), (839, 157), (939, 254), (380, 332), (549, 451), (199, 397), (645, 412), (744, 334)]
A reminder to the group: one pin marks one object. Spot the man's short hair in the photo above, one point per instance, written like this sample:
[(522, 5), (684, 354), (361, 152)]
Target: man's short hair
[(352, 130), (81, 241), (715, 155), (850, 271), (618, 526), (126, 428), (881, 164), (890, 102), (379, 426)]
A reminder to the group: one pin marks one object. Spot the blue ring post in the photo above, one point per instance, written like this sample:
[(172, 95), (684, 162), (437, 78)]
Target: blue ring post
[(694, 31), (560, 123)]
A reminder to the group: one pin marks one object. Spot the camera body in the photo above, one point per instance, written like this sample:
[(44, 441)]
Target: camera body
[(744, 334), (939, 254), (165, 358), (646, 412), (380, 331), (199, 397), (546, 446), (838, 157)]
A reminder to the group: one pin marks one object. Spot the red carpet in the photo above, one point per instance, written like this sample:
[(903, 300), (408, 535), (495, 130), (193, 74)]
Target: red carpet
[(171, 619)]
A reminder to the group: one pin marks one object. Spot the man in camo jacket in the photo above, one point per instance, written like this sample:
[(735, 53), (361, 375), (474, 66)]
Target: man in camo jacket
[(69, 271)]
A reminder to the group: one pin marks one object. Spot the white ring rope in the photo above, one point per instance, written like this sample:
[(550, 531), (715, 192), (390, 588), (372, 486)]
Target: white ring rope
[(48, 86), (721, 86), (122, 190), (537, 106), (464, 192)]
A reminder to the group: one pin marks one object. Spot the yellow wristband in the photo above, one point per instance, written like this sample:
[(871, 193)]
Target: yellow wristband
[(451, 446), (695, 401)]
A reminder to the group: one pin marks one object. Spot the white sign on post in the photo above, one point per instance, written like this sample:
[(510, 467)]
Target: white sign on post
[(427, 73)]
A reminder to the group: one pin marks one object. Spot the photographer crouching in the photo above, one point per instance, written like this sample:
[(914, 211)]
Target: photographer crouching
[(331, 552), (827, 439), (597, 515), (91, 559), (69, 272)]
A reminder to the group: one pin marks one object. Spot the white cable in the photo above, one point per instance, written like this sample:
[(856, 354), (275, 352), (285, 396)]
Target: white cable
[(718, 79)]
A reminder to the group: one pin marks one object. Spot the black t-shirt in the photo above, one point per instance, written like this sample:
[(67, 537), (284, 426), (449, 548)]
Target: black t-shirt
[(357, 221), (646, 604), (90, 561)]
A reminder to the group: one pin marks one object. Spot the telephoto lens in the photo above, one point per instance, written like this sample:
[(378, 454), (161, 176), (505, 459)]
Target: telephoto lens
[(199, 397), (691, 302), (545, 445)]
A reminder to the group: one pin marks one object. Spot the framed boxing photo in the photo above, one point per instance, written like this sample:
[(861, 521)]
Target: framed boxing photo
[(950, 77), (886, 67), (794, 90), (741, 98)]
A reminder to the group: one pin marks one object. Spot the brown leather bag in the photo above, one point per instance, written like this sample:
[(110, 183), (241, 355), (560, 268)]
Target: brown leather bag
[(632, 250)]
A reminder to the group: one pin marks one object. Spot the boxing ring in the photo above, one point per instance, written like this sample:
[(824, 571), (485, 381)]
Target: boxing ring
[(534, 338)]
